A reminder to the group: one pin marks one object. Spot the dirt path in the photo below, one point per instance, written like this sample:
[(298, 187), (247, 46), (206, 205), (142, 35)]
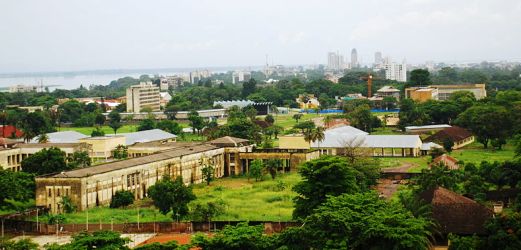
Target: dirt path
[(401, 169)]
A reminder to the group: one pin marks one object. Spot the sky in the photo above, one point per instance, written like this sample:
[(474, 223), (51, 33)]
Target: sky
[(71, 35)]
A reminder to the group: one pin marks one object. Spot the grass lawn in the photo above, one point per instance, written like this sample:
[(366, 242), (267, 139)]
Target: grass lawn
[(475, 153), (250, 200), (244, 200), (106, 129), (418, 163), (386, 131), (287, 121)]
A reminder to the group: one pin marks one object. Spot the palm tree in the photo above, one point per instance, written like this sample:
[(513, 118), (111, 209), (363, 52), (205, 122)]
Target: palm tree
[(318, 135), (297, 117), (327, 120), (43, 138)]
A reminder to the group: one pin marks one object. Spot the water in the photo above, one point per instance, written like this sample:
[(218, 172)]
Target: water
[(72, 80)]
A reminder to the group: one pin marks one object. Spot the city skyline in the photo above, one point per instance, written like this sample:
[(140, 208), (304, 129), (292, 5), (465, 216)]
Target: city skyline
[(98, 35)]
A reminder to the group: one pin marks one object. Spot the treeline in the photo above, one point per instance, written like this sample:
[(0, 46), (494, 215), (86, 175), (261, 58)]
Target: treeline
[(493, 119)]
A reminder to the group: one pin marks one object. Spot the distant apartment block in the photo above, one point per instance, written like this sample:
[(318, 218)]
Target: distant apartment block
[(198, 75), (144, 95), (335, 61), (395, 71), (24, 88), (240, 76), (170, 81), (443, 92)]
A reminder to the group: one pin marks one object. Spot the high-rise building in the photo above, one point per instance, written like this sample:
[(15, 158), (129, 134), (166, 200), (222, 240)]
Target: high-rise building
[(335, 61), (144, 95), (395, 71), (378, 58), (240, 76), (198, 75), (354, 58)]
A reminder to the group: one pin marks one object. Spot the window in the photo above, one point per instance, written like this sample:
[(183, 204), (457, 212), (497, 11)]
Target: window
[(58, 192), (50, 192)]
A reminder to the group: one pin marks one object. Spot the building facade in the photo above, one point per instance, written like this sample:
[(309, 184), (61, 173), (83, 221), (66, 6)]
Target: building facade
[(144, 95), (395, 71)]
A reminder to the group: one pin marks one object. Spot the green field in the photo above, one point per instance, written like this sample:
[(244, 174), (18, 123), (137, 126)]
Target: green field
[(386, 131), (475, 153), (418, 163), (106, 129), (244, 200), (287, 121)]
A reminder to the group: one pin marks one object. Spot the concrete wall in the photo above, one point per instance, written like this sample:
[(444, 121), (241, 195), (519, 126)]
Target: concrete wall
[(102, 147)]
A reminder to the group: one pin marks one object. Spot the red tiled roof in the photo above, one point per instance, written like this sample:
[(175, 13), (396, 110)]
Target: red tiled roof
[(456, 213), (454, 133), (7, 131), (445, 159)]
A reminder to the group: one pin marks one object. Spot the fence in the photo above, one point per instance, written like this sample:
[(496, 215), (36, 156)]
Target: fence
[(19, 226)]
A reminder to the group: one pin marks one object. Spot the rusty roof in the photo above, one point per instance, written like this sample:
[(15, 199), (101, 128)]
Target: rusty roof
[(454, 133), (132, 162), (456, 213), (227, 141)]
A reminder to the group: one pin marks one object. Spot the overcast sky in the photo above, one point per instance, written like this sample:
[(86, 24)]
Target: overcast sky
[(61, 35)]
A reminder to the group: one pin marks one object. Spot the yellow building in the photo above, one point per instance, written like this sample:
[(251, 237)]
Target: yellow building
[(102, 147), (307, 101), (421, 94), (293, 142)]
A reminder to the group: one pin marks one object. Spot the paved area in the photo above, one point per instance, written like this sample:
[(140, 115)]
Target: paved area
[(42, 240)]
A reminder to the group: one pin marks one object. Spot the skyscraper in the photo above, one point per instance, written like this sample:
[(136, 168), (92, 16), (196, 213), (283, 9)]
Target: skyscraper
[(395, 71), (354, 58), (335, 61), (378, 58)]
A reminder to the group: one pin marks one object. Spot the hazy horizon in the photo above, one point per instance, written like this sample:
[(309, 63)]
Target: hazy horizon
[(59, 35)]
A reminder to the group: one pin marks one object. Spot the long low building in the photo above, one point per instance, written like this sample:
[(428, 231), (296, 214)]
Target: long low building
[(94, 186), (338, 141)]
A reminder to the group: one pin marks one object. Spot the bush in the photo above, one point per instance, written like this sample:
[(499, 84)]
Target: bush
[(122, 199), (207, 211)]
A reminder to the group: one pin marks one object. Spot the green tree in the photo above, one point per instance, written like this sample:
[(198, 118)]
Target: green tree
[(146, 124), (239, 237), (170, 126), (487, 122), (249, 87), (271, 167), (325, 176), (255, 170), (16, 186), (171, 245), (46, 161), (122, 198), (269, 119), (67, 205), (97, 132), (207, 211), (100, 119), (196, 121), (121, 152), (115, 120), (79, 159), (171, 196), (364, 221), (420, 77), (97, 240), (448, 144), (437, 175), (362, 118), (208, 173), (297, 117), (23, 244)]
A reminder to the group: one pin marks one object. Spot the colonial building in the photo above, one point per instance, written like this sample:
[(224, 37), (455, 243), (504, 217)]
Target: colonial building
[(460, 136), (94, 186)]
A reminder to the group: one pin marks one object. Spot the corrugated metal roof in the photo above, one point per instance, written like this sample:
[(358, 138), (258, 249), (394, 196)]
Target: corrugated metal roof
[(118, 165), (436, 126), (62, 137), (146, 136), (429, 146), (352, 137)]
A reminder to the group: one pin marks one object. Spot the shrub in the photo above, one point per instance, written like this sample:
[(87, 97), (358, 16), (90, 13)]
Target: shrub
[(122, 199)]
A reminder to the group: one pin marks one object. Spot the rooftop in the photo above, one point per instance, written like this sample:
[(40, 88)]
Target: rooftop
[(436, 126), (454, 133), (228, 141), (62, 137), (118, 165), (389, 89), (146, 136), (456, 213)]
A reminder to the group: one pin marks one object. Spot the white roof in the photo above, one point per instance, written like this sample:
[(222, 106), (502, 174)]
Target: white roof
[(437, 126), (388, 89), (350, 136), (165, 96), (146, 136), (238, 103), (62, 137), (429, 146), (393, 141), (339, 137)]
